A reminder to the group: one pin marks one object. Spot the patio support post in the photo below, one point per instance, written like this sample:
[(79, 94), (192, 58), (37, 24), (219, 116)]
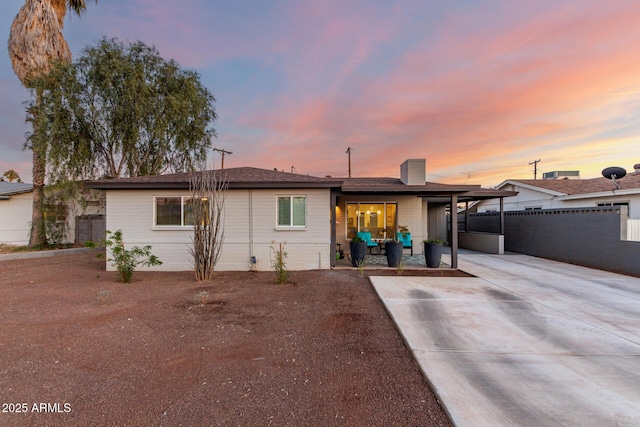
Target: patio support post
[(502, 216), (332, 255), (466, 216), (454, 230)]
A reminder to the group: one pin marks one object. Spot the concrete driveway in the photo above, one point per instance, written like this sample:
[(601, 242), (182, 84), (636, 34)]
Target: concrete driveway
[(528, 342)]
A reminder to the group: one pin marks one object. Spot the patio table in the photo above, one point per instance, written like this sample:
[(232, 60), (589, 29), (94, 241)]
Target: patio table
[(381, 248)]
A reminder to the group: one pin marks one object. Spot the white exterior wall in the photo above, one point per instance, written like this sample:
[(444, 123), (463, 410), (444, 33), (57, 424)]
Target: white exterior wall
[(425, 224), (249, 226), (525, 199), (633, 200), (15, 219), (528, 198)]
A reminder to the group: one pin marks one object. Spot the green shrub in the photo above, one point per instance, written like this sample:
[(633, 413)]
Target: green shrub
[(126, 260), (279, 263)]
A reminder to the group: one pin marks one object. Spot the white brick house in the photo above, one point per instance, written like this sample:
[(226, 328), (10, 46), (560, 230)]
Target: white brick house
[(264, 207)]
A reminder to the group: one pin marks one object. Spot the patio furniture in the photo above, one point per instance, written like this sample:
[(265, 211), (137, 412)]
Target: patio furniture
[(366, 236), (405, 238)]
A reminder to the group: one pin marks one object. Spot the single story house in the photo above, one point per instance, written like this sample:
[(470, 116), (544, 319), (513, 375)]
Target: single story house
[(15, 212), (571, 193), (263, 208), (16, 207)]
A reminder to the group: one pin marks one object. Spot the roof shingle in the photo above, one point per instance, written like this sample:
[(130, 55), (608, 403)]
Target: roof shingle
[(10, 188), (584, 186)]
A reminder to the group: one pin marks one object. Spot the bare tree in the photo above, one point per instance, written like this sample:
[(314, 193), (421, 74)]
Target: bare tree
[(206, 208)]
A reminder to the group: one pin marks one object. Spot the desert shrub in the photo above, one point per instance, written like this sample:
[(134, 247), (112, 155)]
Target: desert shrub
[(279, 263), (126, 260)]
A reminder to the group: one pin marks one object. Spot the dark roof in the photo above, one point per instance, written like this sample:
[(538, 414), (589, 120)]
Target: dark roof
[(238, 178), (11, 188), (248, 178), (395, 185), (572, 187)]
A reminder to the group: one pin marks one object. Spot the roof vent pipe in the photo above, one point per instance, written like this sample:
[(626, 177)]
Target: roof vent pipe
[(637, 167)]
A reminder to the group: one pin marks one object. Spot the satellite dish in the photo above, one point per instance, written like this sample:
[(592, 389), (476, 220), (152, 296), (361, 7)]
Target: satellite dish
[(614, 172)]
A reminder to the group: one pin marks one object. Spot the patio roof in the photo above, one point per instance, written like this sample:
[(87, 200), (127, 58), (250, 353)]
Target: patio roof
[(433, 191)]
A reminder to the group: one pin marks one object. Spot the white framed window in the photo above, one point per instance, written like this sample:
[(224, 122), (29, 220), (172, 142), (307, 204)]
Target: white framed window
[(292, 211), (174, 211)]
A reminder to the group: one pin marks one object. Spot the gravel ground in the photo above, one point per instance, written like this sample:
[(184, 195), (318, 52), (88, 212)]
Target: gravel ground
[(79, 348)]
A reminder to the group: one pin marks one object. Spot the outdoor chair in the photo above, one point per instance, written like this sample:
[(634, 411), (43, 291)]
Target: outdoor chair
[(405, 238), (366, 237)]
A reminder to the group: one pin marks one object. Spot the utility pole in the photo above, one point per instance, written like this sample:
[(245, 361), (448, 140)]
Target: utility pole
[(349, 153), (535, 168), (223, 152)]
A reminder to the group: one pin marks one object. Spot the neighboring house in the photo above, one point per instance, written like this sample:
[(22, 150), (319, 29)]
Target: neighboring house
[(265, 208), (568, 193), (16, 204), (15, 212)]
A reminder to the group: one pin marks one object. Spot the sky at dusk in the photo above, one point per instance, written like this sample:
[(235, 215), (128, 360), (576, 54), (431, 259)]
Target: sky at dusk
[(478, 88)]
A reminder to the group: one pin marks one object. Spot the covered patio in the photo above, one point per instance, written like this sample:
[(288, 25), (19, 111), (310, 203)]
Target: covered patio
[(381, 205)]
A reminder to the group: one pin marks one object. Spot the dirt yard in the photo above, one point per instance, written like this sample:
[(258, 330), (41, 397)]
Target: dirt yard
[(79, 348)]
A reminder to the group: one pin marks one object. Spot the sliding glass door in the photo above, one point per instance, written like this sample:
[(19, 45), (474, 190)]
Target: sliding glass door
[(379, 219)]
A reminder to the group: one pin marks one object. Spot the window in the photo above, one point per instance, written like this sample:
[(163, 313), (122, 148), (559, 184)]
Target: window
[(377, 218), (292, 211), (176, 211)]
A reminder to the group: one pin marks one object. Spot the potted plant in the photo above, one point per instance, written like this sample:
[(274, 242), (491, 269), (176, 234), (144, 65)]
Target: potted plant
[(358, 250), (433, 252), (404, 230), (393, 250)]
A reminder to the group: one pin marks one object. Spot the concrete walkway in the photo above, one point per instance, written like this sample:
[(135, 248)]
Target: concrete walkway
[(528, 342)]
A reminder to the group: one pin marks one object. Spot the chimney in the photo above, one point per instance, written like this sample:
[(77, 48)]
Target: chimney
[(413, 172), (636, 167)]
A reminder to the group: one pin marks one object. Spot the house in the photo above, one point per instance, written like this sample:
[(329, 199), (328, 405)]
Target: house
[(263, 208), (15, 212), (569, 193), (16, 206)]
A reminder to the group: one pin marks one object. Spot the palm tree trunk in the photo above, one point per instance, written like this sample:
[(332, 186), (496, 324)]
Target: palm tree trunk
[(38, 234)]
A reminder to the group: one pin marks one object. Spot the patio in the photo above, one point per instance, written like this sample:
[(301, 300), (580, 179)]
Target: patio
[(408, 261)]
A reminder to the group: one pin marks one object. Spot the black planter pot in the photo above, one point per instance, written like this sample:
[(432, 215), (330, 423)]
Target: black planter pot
[(394, 253), (433, 254), (358, 252)]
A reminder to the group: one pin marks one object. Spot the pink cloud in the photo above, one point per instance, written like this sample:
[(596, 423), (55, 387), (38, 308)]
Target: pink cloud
[(494, 109)]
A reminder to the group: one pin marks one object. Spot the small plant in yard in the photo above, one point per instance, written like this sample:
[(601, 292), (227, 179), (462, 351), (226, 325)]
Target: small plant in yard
[(279, 263), (202, 298), (400, 268), (361, 263), (126, 260), (104, 296)]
